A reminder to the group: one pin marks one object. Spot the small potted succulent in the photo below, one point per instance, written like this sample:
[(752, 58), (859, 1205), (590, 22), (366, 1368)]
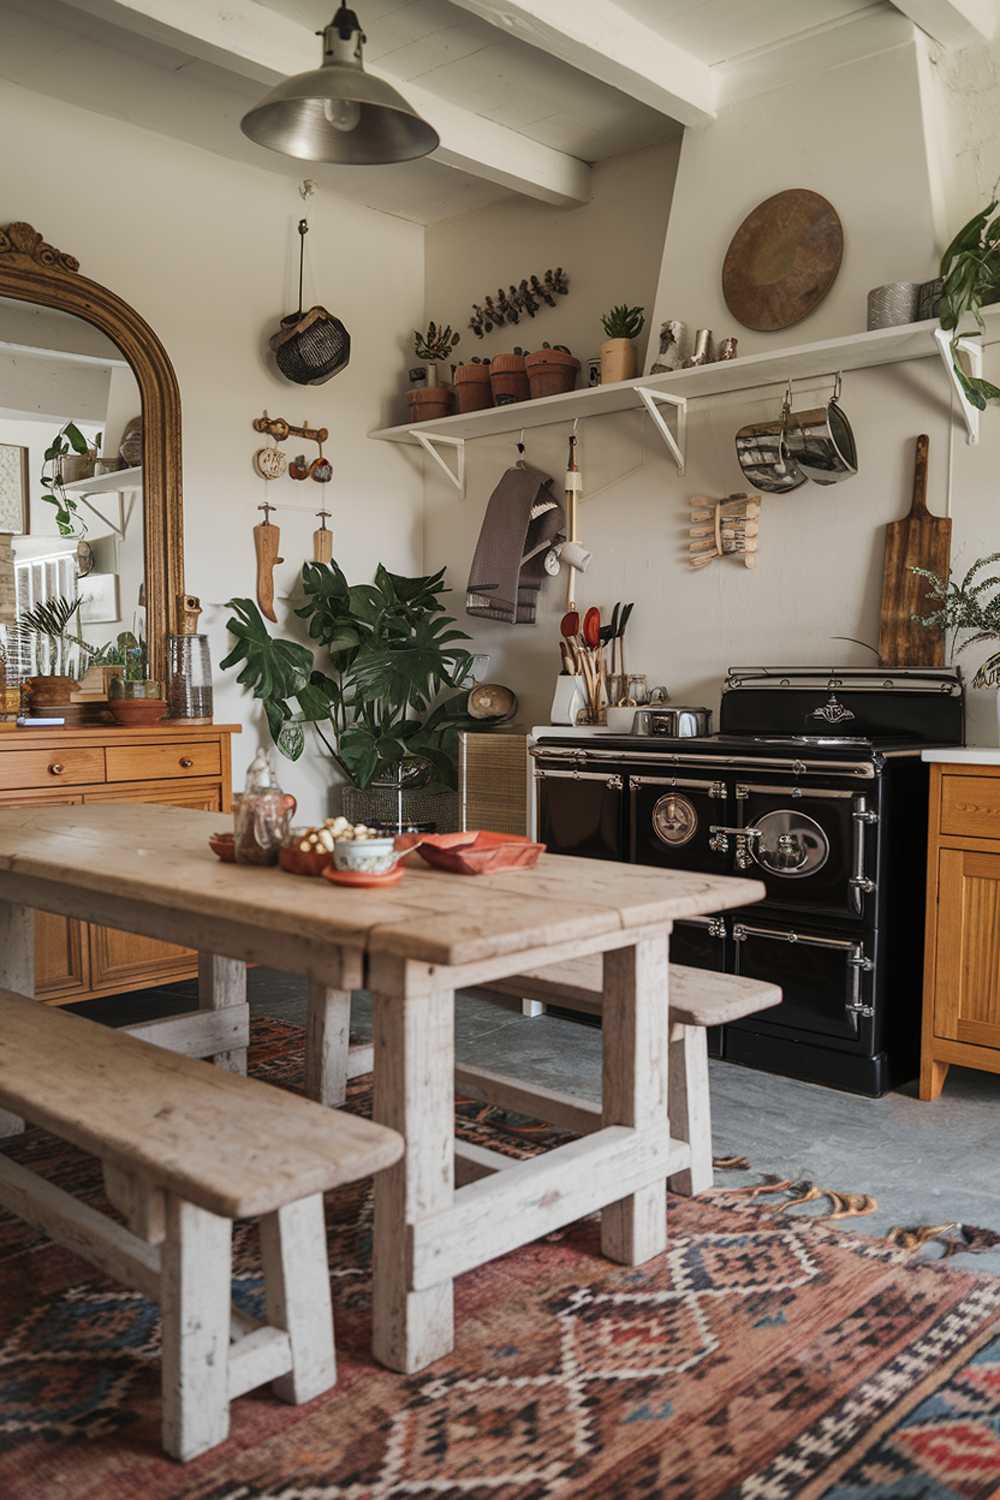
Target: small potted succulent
[(618, 357), (552, 370), (434, 346)]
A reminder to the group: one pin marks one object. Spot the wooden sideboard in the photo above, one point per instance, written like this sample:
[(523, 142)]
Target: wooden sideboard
[(961, 1015), (186, 766)]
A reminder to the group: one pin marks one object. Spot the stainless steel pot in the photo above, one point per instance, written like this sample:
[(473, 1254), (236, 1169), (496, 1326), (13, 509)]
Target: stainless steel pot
[(764, 458), (676, 722), (820, 442)]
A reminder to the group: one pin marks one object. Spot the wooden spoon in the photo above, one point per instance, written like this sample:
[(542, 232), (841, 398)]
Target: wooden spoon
[(569, 625), (592, 627)]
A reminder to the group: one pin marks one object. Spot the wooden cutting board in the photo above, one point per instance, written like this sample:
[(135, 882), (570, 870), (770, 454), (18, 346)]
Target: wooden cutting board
[(919, 540)]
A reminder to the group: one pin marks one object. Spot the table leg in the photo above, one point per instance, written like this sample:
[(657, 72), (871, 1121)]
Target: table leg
[(223, 982), (17, 973), (634, 1091), (414, 1094), (328, 1039)]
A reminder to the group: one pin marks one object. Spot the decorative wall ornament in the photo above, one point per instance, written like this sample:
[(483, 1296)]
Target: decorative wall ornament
[(724, 528), (524, 298), (782, 260)]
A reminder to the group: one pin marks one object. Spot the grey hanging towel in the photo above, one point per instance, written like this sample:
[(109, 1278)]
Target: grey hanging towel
[(523, 519)]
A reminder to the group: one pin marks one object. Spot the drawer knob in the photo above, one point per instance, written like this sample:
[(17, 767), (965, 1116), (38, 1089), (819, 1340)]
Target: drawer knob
[(57, 768), (186, 762)]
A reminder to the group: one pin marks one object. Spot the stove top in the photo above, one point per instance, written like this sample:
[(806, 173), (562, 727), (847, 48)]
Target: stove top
[(817, 747)]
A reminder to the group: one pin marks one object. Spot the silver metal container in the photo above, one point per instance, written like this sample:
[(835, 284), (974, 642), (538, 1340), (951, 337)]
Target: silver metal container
[(676, 722), (895, 303), (764, 458), (821, 443), (703, 353)]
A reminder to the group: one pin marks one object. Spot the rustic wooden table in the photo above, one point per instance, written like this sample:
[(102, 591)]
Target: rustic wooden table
[(149, 870)]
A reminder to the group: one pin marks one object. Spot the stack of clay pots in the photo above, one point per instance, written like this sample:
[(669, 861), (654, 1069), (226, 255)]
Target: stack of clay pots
[(508, 378)]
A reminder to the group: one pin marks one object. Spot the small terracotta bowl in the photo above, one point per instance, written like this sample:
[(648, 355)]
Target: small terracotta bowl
[(296, 861), (223, 845)]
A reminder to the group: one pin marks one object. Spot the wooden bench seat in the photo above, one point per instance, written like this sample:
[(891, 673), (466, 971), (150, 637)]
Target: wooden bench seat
[(698, 998), (186, 1148)]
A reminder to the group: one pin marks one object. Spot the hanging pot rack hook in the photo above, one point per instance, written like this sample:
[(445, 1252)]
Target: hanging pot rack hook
[(837, 384)]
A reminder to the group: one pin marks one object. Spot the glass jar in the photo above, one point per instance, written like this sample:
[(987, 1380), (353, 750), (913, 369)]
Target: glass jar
[(638, 688), (261, 815)]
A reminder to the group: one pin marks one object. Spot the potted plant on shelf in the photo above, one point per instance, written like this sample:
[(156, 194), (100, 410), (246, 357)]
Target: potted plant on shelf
[(68, 457), (970, 273), (384, 698), (967, 609), (433, 400), (621, 325)]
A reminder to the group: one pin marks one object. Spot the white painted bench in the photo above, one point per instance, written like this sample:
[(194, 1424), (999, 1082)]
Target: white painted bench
[(187, 1148), (698, 998)]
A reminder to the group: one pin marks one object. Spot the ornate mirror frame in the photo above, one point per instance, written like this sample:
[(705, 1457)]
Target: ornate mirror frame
[(34, 271)]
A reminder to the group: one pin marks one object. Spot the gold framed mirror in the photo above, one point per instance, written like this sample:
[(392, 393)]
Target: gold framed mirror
[(33, 271)]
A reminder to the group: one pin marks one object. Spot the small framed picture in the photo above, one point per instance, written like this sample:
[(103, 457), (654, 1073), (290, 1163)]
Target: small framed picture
[(13, 489), (99, 593)]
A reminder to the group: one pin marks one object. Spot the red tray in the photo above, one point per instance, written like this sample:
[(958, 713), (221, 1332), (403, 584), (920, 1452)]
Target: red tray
[(483, 853)]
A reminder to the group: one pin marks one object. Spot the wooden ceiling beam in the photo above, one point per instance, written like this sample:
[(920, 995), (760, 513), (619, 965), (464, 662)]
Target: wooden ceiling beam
[(602, 39), (953, 23), (255, 42)]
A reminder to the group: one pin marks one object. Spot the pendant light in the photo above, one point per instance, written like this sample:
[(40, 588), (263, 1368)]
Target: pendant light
[(338, 112)]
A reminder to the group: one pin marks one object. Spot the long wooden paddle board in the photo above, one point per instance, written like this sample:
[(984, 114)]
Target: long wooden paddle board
[(919, 540)]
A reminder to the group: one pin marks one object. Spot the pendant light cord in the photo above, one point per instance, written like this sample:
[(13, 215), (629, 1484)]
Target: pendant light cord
[(303, 231)]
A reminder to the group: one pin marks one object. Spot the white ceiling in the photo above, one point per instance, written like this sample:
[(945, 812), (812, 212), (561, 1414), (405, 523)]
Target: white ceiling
[(104, 56)]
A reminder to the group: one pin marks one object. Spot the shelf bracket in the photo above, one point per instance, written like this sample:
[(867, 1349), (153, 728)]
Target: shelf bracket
[(972, 348), (428, 440), (651, 400), (118, 530)]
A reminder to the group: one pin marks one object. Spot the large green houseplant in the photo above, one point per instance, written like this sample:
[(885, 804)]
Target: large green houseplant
[(385, 694), (970, 271)]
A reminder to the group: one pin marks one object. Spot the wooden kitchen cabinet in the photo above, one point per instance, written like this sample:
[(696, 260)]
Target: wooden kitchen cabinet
[(961, 1018), (185, 766)]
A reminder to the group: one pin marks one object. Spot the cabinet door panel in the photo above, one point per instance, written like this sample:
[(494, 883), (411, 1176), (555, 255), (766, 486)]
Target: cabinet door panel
[(967, 957), (61, 966), (124, 958)]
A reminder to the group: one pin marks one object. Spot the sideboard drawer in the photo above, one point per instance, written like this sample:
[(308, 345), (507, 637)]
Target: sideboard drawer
[(158, 761), (50, 768), (970, 806)]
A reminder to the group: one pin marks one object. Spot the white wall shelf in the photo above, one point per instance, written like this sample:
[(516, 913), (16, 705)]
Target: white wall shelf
[(855, 351), (107, 484)]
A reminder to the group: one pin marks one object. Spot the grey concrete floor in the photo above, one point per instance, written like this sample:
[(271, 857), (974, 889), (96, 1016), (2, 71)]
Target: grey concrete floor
[(925, 1163)]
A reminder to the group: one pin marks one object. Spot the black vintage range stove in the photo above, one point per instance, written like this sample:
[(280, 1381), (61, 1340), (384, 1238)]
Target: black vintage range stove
[(814, 785)]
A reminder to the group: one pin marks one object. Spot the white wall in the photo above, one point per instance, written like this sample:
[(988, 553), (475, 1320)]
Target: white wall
[(205, 249), (857, 134)]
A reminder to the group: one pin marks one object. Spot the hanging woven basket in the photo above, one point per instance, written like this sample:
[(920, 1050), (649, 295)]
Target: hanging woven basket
[(310, 347)]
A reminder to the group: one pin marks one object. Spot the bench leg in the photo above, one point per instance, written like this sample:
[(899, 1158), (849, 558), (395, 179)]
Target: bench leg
[(689, 1109), (195, 1294), (17, 973), (414, 1094), (223, 982), (297, 1296), (634, 1089), (328, 1040)]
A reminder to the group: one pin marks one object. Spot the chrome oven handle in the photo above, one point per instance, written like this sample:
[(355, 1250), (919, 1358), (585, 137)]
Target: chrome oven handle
[(860, 884), (746, 839)]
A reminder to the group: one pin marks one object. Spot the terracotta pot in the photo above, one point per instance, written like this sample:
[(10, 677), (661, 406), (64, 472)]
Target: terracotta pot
[(509, 379), (472, 387), (429, 404), (551, 372), (617, 360)]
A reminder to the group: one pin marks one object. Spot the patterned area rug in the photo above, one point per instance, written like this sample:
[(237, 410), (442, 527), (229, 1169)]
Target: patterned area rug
[(763, 1356)]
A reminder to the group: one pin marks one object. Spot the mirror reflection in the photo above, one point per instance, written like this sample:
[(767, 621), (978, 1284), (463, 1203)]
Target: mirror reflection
[(72, 595)]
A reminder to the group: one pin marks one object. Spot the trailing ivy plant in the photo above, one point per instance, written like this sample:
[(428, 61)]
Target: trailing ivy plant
[(970, 269), (386, 687), (968, 609), (68, 439)]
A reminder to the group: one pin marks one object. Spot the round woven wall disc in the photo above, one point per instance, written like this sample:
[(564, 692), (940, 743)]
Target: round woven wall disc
[(782, 260)]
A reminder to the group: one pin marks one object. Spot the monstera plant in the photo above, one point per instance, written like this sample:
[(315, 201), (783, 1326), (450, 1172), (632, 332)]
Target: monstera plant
[(384, 692)]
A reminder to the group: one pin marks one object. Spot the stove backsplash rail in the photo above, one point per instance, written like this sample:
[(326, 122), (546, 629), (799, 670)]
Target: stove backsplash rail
[(946, 680), (797, 767)]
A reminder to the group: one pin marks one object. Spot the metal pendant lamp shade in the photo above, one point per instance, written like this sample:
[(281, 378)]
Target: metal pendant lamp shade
[(338, 112)]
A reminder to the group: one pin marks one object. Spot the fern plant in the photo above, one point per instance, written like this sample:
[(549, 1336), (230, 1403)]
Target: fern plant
[(968, 609), (624, 322)]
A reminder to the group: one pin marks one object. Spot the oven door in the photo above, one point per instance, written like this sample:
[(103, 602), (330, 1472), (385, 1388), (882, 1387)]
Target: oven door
[(814, 847), (580, 812), (827, 982), (671, 821)]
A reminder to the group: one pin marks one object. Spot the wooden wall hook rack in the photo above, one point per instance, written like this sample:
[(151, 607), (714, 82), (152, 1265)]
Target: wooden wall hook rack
[(279, 429)]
